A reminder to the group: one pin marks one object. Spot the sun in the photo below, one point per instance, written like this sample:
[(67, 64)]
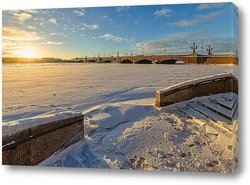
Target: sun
[(27, 53)]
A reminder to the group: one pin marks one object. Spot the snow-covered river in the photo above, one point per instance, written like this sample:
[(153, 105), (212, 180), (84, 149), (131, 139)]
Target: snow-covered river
[(38, 89)]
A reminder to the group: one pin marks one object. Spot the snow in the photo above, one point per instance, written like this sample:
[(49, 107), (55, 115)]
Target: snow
[(197, 81), (39, 89), (123, 128), (12, 127), (154, 139)]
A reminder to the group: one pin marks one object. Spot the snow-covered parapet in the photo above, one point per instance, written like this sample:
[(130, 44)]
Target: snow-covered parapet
[(30, 141), (221, 83), (13, 127)]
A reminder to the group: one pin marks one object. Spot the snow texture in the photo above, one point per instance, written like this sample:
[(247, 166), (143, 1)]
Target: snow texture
[(136, 135), (123, 128)]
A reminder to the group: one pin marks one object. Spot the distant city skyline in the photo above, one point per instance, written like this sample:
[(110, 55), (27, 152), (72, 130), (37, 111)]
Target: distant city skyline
[(156, 29)]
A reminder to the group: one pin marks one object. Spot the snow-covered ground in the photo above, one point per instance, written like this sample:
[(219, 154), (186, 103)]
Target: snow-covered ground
[(37, 89), (123, 129)]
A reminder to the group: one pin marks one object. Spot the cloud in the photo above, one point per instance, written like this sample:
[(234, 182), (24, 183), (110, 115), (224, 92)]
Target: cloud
[(198, 19), (31, 27), (180, 43), (16, 39), (53, 33), (204, 6), (52, 43), (185, 23), (163, 12), (22, 17), (53, 21), (60, 34), (31, 11), (79, 13), (109, 36), (90, 26), (17, 34), (13, 50), (122, 8), (104, 17), (172, 42)]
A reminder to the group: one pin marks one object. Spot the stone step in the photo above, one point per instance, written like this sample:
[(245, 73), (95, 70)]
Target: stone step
[(216, 108), (207, 112), (190, 112)]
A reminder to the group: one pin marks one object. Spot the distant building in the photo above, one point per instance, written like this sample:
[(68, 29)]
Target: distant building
[(48, 59)]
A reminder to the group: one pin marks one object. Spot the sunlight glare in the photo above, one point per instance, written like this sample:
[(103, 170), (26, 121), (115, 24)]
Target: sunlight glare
[(28, 53)]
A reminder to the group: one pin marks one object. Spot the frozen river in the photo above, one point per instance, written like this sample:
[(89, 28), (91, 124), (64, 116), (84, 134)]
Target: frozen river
[(38, 89)]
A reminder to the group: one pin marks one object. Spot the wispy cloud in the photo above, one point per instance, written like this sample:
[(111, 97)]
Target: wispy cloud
[(22, 17), (204, 6), (58, 34), (90, 26), (79, 13), (52, 43), (53, 21), (16, 39), (104, 17), (172, 42), (109, 36), (185, 22), (53, 33), (14, 50), (163, 12), (18, 34), (180, 43), (31, 27), (122, 8), (198, 19), (31, 11)]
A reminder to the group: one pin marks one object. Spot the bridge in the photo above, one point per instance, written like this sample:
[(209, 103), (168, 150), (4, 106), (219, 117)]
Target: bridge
[(164, 59)]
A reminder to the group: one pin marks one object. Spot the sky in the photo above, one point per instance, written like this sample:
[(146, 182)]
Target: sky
[(149, 30)]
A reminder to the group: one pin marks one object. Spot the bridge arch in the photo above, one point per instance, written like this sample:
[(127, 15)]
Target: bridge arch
[(144, 61), (107, 61), (168, 61), (91, 61), (127, 61)]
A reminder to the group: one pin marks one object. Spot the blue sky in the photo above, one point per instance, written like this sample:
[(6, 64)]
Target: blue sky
[(159, 29)]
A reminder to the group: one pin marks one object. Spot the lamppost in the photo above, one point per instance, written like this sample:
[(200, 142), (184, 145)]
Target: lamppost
[(194, 47), (209, 49), (202, 47)]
